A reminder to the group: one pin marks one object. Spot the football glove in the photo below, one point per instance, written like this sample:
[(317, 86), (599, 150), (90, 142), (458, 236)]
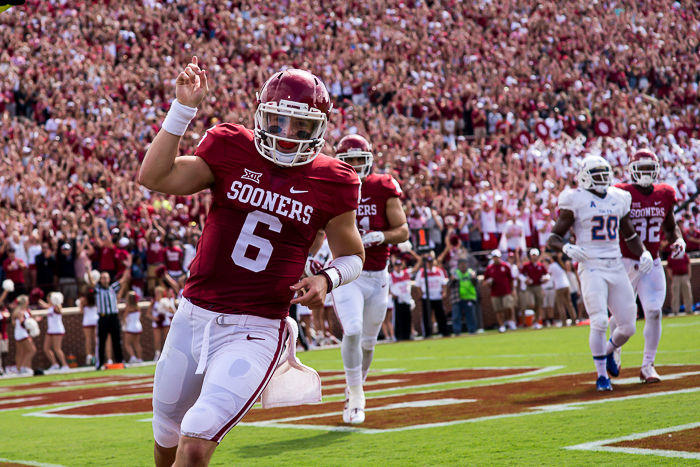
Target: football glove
[(575, 252), (646, 262), (371, 239), (678, 248), (312, 266)]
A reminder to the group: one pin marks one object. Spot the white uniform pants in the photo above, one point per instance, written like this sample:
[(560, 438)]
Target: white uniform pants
[(361, 306), (605, 285), (242, 351), (650, 287)]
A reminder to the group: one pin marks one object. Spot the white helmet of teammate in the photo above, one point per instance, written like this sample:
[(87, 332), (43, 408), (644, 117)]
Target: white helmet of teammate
[(595, 174)]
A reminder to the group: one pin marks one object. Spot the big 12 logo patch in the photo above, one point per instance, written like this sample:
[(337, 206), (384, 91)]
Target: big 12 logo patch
[(7, 4)]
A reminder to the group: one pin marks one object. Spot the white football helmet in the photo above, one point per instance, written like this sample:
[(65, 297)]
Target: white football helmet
[(595, 174)]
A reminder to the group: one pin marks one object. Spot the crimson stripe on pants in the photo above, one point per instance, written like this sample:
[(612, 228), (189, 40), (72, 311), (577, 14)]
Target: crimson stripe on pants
[(254, 397)]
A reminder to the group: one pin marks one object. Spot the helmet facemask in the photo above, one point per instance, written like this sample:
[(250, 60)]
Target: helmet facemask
[(644, 172), (597, 179), (289, 133), (359, 160)]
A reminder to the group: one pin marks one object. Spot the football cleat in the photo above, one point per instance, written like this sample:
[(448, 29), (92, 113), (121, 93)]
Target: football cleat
[(648, 374), (612, 362), (354, 409), (603, 384)]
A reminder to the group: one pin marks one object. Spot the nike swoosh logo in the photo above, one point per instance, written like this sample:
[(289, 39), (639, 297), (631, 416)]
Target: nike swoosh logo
[(364, 200), (293, 191), (251, 338), (656, 203)]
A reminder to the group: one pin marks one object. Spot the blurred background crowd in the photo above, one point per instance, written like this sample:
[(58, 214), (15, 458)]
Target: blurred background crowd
[(481, 110)]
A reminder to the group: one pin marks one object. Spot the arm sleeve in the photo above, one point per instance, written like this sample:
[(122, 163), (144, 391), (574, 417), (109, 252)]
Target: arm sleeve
[(217, 145), (391, 186), (566, 200), (626, 202), (338, 189)]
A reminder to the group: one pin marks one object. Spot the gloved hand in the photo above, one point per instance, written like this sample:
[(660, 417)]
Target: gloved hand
[(646, 262), (575, 252), (371, 239), (678, 248), (405, 246), (312, 267)]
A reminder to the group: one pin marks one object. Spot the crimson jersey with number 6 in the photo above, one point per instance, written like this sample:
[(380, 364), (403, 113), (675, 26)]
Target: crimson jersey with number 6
[(371, 215), (647, 215), (261, 224)]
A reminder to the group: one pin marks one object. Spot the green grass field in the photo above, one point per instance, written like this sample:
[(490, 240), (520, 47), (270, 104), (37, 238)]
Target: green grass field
[(525, 438)]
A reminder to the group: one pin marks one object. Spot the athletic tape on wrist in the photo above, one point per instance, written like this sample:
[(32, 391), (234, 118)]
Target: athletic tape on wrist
[(332, 276), (178, 118)]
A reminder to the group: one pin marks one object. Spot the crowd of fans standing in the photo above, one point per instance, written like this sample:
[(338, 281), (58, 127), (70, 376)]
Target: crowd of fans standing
[(480, 110)]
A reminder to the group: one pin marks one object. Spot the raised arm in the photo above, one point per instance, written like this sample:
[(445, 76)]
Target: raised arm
[(161, 169)]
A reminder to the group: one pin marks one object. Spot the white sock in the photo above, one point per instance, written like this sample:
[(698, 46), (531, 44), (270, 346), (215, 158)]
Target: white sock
[(652, 335), (367, 356), (351, 352), (600, 366)]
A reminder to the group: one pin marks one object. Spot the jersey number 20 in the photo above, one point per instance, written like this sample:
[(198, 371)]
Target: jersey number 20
[(603, 225)]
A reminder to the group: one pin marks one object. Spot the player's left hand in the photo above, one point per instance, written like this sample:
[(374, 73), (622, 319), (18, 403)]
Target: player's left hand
[(646, 262), (373, 238), (678, 248), (311, 291)]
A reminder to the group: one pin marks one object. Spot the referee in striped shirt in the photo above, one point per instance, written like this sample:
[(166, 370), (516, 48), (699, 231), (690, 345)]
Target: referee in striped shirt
[(108, 323)]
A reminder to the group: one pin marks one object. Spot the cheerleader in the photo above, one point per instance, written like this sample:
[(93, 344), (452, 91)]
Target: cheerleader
[(24, 344), (54, 331), (88, 308), (162, 310), (131, 323)]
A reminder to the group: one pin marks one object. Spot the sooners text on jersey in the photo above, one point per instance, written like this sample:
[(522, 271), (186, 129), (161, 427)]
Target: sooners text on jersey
[(371, 215), (262, 221), (647, 215)]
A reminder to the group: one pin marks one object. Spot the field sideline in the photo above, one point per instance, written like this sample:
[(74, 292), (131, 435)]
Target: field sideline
[(493, 398)]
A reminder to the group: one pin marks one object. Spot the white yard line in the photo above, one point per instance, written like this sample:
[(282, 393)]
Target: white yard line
[(37, 464), (600, 445), (284, 423)]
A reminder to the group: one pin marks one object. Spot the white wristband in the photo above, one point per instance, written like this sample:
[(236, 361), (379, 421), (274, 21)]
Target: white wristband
[(178, 118), (348, 267)]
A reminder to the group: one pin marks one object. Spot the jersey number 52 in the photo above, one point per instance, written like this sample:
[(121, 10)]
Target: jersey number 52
[(604, 228)]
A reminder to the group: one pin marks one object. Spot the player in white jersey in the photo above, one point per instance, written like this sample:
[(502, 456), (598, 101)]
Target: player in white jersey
[(599, 213)]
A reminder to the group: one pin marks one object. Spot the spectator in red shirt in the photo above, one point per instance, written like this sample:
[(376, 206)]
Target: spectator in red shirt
[(535, 273), (14, 270), (691, 236), (679, 269), (500, 279)]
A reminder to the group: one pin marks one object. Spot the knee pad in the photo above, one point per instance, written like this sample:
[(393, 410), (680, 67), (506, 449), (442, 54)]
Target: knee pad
[(599, 322), (166, 431), (368, 342), (627, 330), (352, 328), (211, 413)]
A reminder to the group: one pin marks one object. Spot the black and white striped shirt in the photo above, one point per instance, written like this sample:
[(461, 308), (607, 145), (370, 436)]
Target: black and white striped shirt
[(106, 299)]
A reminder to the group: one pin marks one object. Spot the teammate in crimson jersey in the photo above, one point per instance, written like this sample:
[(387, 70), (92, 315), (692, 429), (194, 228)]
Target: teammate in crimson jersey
[(227, 336), (651, 213), (361, 305)]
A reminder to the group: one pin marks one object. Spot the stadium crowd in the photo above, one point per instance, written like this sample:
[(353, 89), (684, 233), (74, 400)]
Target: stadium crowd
[(480, 110)]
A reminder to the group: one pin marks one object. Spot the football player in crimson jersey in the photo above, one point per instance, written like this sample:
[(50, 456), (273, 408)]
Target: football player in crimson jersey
[(361, 305), (599, 214), (272, 191), (651, 214)]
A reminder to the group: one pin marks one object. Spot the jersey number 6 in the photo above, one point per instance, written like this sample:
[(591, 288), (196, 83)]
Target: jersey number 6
[(248, 238), (601, 224)]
